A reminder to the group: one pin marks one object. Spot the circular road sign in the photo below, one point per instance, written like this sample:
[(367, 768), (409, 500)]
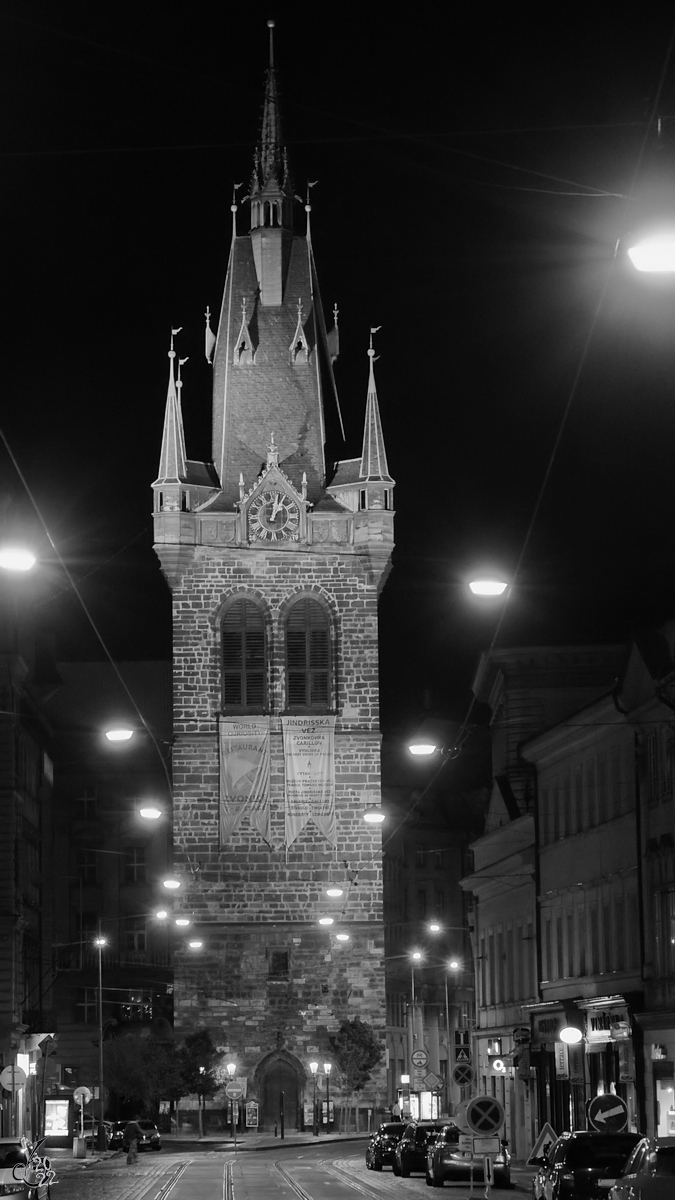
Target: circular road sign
[(607, 1113), (419, 1058), (13, 1078), (81, 1095), (484, 1115), (234, 1091), (463, 1074)]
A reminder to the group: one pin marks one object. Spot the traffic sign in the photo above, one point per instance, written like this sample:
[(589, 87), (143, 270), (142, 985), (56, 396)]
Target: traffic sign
[(13, 1078), (546, 1138), (484, 1114), (462, 1055), (486, 1145), (234, 1091), (419, 1058), (463, 1074), (81, 1095), (433, 1081), (607, 1113)]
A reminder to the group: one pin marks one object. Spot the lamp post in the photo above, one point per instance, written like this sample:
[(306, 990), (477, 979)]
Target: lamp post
[(231, 1071), (314, 1066), (327, 1067), (100, 942)]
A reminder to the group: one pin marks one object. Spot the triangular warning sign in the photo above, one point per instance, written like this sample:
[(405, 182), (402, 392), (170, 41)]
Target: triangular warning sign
[(546, 1138), (462, 1055)]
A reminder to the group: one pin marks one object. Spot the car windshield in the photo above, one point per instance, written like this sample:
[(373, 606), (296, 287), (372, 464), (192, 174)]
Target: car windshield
[(604, 1151), (147, 1125), (11, 1153), (665, 1160)]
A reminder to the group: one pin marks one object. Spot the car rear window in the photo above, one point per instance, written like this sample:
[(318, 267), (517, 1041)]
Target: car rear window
[(391, 1129), (665, 1160), (11, 1155), (608, 1152)]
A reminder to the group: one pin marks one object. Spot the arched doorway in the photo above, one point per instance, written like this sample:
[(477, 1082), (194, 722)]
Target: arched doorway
[(276, 1075)]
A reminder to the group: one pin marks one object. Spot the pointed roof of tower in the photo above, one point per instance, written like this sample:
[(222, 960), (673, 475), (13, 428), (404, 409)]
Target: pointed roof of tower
[(374, 457), (172, 460), (271, 166)]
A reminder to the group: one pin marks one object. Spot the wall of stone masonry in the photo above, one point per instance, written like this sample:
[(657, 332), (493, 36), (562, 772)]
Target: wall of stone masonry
[(247, 897)]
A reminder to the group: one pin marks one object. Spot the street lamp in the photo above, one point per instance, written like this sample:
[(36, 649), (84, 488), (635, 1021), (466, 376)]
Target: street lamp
[(15, 558), (327, 1067), (119, 734), (487, 587), (314, 1066), (100, 942), (654, 254)]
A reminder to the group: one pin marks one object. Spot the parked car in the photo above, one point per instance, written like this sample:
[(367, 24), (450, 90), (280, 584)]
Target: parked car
[(445, 1161), (13, 1160), (583, 1165), (91, 1129), (649, 1173), (117, 1135), (150, 1137), (381, 1148), (411, 1152)]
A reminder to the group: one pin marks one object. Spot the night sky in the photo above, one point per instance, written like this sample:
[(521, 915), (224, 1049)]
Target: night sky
[(474, 173)]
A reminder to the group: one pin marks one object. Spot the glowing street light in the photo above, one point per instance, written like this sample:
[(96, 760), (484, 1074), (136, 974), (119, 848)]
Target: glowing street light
[(374, 816), (571, 1035), (487, 587), (16, 558), (654, 254), (325, 920), (150, 812), (334, 890), (195, 945), (171, 883), (342, 937), (119, 734), (182, 921)]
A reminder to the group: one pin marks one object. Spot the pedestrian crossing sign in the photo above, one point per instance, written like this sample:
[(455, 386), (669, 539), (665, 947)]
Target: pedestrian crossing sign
[(462, 1054)]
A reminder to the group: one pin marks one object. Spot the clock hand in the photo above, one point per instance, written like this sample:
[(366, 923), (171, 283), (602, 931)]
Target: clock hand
[(277, 506)]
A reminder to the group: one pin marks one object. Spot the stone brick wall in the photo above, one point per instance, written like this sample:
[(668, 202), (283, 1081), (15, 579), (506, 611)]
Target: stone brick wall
[(248, 898)]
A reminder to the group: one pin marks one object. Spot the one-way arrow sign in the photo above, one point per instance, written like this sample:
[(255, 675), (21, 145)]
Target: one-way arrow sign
[(607, 1113)]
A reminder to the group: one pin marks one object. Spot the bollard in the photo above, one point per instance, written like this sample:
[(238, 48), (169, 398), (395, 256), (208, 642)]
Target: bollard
[(275, 1129)]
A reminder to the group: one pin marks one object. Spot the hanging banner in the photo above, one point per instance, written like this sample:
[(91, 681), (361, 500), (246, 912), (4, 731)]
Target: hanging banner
[(309, 758), (244, 775)]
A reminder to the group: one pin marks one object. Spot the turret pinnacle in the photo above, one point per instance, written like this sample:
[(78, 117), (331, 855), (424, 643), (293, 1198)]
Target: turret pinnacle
[(373, 458), (172, 460), (270, 170)]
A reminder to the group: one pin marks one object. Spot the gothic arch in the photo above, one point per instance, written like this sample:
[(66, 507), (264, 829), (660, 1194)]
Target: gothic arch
[(280, 1072)]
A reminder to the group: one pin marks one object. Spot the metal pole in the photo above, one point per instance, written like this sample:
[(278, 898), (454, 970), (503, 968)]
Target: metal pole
[(281, 1114), (316, 1124), (101, 1129), (327, 1102), (447, 1047)]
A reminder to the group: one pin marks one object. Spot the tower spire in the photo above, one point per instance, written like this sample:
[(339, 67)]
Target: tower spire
[(172, 459), (373, 458)]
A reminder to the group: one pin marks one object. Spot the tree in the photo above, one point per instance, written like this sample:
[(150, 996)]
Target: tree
[(357, 1050), (198, 1059), (142, 1071)]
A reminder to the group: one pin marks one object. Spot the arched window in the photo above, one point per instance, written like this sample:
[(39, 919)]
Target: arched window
[(244, 658), (308, 665)]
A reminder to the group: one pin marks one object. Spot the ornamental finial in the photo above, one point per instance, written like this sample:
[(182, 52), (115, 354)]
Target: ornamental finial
[(272, 453)]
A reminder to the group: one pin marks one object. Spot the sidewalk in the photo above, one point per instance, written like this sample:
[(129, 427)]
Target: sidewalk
[(62, 1156)]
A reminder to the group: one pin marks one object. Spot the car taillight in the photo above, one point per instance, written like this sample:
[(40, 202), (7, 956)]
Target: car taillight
[(568, 1177)]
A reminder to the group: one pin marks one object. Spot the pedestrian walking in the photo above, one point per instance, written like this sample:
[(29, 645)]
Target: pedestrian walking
[(132, 1132)]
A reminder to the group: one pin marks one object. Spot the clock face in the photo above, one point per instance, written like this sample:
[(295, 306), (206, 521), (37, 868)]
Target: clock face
[(273, 517)]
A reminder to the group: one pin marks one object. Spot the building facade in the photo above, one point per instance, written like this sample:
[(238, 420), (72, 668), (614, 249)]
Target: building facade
[(275, 569)]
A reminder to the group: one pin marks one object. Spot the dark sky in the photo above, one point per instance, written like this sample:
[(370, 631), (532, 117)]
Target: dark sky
[(461, 160)]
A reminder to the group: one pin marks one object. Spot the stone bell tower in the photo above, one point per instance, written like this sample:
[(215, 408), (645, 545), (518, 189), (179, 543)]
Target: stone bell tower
[(275, 570)]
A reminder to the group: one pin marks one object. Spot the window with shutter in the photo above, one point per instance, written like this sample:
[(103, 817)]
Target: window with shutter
[(308, 657), (244, 659)]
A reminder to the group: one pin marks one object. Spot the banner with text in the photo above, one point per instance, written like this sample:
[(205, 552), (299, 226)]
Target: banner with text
[(309, 758), (244, 775)]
